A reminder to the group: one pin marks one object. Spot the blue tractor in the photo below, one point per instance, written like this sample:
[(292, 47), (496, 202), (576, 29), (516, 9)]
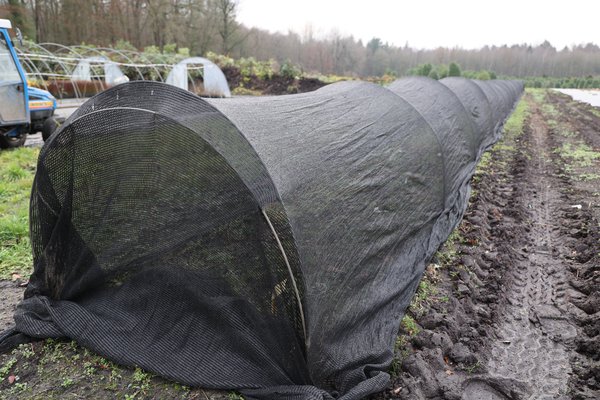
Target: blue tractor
[(23, 109)]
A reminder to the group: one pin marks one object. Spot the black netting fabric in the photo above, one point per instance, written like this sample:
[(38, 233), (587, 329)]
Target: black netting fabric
[(267, 244)]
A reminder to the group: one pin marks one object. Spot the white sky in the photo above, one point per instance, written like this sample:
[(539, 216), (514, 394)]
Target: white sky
[(432, 23)]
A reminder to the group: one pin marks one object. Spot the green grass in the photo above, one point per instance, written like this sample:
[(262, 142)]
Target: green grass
[(566, 132), (449, 252), (538, 95), (425, 294), (515, 124), (17, 169), (577, 157), (549, 111), (242, 91), (580, 155), (55, 369), (409, 325), (471, 369), (588, 176), (410, 329), (5, 369)]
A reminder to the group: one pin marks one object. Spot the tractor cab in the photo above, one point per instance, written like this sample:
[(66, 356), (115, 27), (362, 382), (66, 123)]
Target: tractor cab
[(23, 110), (14, 105)]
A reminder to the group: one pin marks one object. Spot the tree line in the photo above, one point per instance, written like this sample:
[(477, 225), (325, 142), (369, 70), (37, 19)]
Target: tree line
[(202, 26)]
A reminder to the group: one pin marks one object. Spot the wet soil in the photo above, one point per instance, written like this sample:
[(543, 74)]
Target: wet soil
[(521, 316), (11, 294)]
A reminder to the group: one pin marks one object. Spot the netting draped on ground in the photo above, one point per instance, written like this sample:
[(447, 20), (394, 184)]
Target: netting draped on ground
[(268, 244)]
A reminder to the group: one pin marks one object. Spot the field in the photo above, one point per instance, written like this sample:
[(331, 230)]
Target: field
[(509, 307)]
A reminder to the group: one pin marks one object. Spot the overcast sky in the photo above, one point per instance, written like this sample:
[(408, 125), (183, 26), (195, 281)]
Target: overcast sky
[(433, 23)]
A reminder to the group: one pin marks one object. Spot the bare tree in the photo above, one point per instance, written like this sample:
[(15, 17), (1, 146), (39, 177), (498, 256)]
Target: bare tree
[(211, 25), (226, 11)]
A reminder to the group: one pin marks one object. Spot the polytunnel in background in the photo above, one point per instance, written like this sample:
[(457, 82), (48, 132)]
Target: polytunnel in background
[(268, 244), (213, 83), (112, 73)]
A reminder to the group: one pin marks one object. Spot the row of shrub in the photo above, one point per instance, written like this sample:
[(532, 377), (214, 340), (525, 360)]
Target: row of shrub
[(588, 82), (441, 71)]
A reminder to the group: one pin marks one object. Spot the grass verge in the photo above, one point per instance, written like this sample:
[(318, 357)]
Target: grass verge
[(17, 169)]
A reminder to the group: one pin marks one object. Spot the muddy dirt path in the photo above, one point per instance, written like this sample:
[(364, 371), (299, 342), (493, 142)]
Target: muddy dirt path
[(534, 329), (521, 312)]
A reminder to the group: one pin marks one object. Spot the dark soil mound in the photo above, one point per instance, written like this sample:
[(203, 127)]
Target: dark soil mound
[(276, 85)]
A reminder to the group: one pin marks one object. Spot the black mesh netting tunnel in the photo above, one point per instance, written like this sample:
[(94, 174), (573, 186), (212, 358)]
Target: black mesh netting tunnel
[(269, 244)]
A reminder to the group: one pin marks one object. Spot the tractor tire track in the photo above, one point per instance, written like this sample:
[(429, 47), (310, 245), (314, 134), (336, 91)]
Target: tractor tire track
[(534, 332), (521, 309)]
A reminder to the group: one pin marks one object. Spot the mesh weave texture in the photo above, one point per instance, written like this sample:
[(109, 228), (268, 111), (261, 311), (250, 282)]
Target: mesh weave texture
[(269, 244)]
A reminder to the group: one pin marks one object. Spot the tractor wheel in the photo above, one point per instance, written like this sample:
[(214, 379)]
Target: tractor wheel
[(50, 125), (11, 142)]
